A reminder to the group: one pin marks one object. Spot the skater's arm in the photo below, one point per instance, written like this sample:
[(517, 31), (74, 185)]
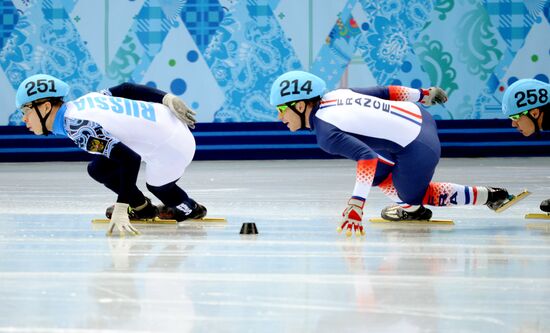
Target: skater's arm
[(377, 91), (351, 147), (430, 96), (148, 94), (335, 141), (136, 91)]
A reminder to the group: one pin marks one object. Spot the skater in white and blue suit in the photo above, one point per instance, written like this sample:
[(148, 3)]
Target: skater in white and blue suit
[(122, 126)]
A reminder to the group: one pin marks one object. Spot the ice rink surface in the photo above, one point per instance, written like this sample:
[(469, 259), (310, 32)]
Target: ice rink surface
[(59, 273)]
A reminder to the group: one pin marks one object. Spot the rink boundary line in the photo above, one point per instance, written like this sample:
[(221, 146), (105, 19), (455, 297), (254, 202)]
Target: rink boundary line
[(201, 147), (300, 304), (304, 305), (222, 254), (275, 277), (276, 133), (195, 134), (495, 143), (357, 243)]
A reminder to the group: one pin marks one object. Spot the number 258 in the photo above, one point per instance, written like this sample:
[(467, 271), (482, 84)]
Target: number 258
[(531, 96)]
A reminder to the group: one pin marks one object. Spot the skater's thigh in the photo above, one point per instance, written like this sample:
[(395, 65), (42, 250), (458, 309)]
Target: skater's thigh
[(382, 172), (413, 173), (168, 163)]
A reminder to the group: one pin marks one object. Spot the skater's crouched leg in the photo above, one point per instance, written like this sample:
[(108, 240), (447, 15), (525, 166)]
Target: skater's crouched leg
[(177, 204)]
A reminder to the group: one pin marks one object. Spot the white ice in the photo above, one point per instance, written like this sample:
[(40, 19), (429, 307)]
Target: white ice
[(58, 272)]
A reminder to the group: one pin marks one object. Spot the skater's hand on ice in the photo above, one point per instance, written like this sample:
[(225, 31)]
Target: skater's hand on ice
[(433, 95), (352, 217), (121, 221), (180, 109)]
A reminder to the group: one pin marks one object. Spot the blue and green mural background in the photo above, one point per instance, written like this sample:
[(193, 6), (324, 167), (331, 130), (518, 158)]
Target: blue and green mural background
[(221, 56)]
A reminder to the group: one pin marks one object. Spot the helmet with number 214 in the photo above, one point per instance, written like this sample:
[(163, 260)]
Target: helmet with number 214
[(296, 86)]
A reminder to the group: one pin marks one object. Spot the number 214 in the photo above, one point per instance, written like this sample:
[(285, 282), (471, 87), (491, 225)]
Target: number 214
[(286, 85)]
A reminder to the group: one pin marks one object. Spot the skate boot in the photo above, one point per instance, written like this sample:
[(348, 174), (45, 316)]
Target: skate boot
[(182, 212), (396, 213), (496, 197), (144, 212), (545, 206)]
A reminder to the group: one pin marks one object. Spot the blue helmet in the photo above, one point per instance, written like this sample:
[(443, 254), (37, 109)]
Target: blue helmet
[(40, 86), (296, 86), (524, 95)]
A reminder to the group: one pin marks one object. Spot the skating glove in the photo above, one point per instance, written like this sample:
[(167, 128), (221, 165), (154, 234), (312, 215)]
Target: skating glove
[(433, 95), (180, 109), (121, 221), (352, 217)]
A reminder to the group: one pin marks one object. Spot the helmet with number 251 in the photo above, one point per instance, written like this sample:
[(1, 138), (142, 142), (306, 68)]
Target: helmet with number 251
[(40, 86), (524, 95), (296, 86)]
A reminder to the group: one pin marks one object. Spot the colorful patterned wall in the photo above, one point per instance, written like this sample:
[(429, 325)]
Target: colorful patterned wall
[(222, 55)]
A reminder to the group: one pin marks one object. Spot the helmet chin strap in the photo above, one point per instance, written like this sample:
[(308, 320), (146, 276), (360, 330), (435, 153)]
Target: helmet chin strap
[(45, 131), (535, 123), (302, 115)]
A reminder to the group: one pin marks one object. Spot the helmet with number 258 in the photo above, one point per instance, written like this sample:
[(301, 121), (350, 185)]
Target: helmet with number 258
[(296, 86), (524, 95), (40, 86)]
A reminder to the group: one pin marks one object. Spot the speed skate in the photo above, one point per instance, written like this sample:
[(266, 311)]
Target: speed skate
[(540, 216), (168, 221), (512, 200), (430, 221)]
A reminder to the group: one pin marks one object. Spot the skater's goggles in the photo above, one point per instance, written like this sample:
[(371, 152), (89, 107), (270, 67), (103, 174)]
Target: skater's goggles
[(27, 108), (518, 115), (283, 108)]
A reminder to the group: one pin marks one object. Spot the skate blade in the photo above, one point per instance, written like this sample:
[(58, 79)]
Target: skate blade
[(513, 201), (161, 221), (544, 226), (541, 216), (432, 221)]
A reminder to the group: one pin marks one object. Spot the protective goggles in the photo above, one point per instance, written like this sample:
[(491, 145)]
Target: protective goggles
[(26, 108), (283, 108), (518, 115)]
